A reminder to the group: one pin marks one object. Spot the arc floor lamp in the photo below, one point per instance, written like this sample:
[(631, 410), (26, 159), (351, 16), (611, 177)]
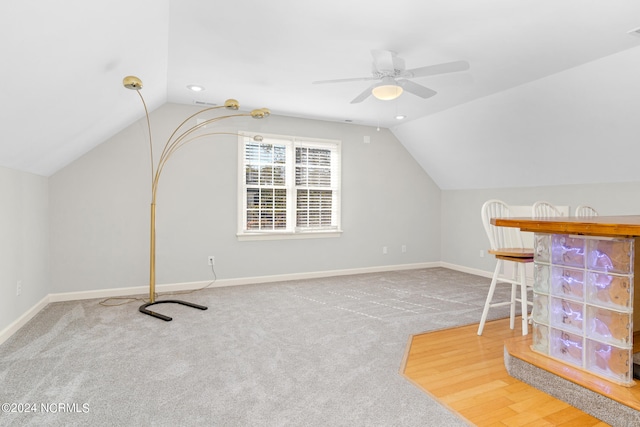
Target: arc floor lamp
[(181, 136)]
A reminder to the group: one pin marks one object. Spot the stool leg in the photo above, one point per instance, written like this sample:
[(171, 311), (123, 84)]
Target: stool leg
[(523, 299), (514, 296), (512, 306), (487, 303)]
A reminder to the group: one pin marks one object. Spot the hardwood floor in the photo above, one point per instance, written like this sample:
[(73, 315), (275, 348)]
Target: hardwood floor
[(466, 373)]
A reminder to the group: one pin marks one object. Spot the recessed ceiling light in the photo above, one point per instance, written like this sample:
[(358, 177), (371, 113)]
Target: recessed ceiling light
[(195, 88), (400, 117)]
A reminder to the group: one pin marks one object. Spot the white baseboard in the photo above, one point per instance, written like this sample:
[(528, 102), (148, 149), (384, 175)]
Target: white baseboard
[(189, 286), (320, 274), (474, 271), (6, 333)]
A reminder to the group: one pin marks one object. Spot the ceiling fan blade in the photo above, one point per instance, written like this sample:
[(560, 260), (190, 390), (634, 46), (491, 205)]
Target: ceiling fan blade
[(416, 89), (430, 70), (354, 79), (364, 95)]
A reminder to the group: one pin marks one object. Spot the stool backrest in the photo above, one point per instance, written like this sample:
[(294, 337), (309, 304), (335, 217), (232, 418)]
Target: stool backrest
[(544, 210), (585, 211), (499, 237)]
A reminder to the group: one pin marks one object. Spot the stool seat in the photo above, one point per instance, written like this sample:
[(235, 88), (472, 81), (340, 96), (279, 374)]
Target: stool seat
[(515, 258), (512, 252)]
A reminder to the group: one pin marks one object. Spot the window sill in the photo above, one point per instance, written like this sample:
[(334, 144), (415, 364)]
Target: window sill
[(286, 236)]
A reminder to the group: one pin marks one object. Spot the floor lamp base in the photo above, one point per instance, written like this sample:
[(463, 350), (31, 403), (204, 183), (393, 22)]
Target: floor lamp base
[(143, 308)]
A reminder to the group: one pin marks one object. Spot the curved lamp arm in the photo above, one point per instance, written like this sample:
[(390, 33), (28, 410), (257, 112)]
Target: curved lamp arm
[(176, 141)]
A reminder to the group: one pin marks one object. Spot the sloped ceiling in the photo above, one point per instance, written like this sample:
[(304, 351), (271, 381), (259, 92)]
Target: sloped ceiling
[(580, 126), (556, 75)]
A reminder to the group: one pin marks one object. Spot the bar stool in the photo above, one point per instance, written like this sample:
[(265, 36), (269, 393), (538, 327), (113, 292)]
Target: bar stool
[(544, 210), (506, 245), (585, 211)]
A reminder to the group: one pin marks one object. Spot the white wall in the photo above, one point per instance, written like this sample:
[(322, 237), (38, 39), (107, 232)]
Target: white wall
[(463, 235), (89, 221), (24, 240), (100, 208)]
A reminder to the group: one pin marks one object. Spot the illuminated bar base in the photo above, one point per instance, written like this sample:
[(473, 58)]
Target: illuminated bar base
[(582, 346), (583, 303)]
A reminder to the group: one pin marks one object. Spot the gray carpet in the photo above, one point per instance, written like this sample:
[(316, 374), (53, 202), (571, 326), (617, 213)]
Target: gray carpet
[(320, 352)]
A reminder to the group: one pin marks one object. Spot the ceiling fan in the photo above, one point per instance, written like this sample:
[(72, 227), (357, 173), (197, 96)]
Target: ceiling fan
[(393, 78)]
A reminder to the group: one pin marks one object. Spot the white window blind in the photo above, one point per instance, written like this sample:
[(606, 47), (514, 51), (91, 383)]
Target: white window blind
[(289, 186)]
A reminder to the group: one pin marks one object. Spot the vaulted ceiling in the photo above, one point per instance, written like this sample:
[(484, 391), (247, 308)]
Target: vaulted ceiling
[(548, 80)]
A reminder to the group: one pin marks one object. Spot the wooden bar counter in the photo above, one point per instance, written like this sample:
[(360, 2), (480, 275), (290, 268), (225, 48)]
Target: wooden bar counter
[(574, 301), (610, 226), (622, 226)]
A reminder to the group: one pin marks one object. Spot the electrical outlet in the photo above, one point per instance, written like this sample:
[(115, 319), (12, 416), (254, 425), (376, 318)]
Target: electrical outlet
[(212, 260), (403, 248), (481, 253), (384, 250), (19, 288)]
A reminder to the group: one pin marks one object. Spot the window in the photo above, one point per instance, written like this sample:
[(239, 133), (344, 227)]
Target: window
[(288, 187)]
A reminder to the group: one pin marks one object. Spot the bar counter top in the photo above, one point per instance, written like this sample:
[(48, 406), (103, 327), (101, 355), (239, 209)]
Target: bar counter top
[(610, 226)]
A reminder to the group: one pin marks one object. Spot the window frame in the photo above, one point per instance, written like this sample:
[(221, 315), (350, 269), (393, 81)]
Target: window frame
[(292, 231)]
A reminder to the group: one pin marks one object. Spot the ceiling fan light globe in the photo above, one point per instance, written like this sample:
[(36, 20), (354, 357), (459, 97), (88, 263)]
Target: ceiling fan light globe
[(386, 92)]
